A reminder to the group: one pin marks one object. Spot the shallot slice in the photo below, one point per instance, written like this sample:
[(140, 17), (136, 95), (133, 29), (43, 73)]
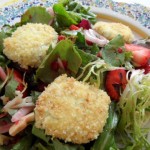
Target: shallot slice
[(21, 113), (94, 37), (21, 124), (18, 102), (26, 102), (11, 103), (94, 33)]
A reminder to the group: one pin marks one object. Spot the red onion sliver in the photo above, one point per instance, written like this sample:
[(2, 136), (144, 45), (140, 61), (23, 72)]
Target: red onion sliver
[(94, 37), (3, 115), (2, 74), (4, 126), (60, 63), (51, 12)]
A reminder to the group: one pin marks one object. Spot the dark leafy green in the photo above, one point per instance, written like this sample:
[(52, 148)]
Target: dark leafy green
[(10, 88), (86, 57), (40, 146), (36, 15), (3, 60), (81, 11), (63, 18), (40, 134), (62, 146), (2, 37), (24, 144), (81, 43), (64, 2), (106, 140), (64, 50), (70, 12), (35, 95), (110, 52), (52, 144)]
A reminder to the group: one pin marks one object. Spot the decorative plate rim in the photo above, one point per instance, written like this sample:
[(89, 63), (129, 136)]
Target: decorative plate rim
[(135, 11)]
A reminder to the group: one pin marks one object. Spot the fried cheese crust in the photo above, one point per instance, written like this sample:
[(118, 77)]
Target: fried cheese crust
[(29, 43), (71, 110), (111, 30)]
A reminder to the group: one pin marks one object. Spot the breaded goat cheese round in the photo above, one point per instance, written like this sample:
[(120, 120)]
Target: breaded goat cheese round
[(29, 43), (111, 30), (71, 110)]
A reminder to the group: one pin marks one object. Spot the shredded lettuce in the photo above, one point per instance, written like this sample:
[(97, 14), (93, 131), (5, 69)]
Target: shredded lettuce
[(94, 71), (134, 110)]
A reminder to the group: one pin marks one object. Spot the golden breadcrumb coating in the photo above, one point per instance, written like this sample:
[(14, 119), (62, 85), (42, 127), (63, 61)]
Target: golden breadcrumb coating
[(111, 30), (71, 110), (29, 43)]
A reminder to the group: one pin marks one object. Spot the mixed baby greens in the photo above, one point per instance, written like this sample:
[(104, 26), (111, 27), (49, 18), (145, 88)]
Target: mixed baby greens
[(127, 125)]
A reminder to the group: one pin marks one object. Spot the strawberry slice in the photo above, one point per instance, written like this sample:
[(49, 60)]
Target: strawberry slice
[(73, 27), (85, 24), (61, 37), (141, 55), (115, 83), (146, 68)]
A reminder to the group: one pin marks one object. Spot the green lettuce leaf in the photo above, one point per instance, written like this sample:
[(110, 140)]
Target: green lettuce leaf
[(40, 146), (81, 11), (81, 43), (3, 60), (40, 134), (63, 18), (35, 95), (36, 15), (70, 12), (10, 88), (24, 144), (2, 37), (110, 52), (106, 140), (86, 57), (64, 50), (62, 146)]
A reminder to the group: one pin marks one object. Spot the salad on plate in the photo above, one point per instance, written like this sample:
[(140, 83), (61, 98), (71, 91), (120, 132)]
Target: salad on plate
[(70, 81)]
